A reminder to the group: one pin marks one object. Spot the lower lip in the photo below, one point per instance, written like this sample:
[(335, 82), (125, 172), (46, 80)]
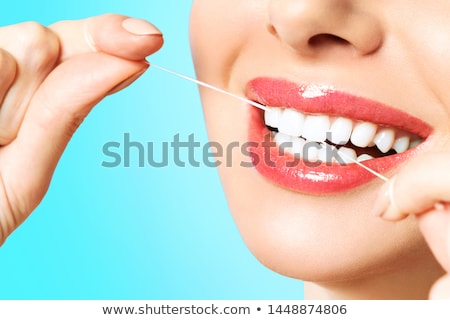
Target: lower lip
[(316, 178)]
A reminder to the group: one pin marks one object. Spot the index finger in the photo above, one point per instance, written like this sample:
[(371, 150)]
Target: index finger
[(417, 188), (435, 226), (117, 35)]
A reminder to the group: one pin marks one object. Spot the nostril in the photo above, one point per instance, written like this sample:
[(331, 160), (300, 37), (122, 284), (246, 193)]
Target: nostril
[(325, 39)]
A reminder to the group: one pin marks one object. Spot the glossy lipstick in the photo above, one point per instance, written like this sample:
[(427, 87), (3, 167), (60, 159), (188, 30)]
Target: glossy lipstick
[(320, 178)]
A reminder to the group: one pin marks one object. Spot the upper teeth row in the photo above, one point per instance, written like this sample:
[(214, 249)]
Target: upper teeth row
[(338, 130)]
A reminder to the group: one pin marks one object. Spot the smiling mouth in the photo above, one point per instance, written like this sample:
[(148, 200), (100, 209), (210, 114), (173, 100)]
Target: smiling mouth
[(309, 137), (306, 122)]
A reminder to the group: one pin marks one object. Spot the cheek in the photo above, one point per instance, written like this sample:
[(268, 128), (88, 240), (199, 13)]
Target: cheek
[(424, 39)]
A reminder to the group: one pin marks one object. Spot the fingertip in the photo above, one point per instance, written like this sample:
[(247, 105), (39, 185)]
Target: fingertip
[(143, 28), (382, 201), (393, 214), (385, 206), (441, 289), (140, 27), (124, 37)]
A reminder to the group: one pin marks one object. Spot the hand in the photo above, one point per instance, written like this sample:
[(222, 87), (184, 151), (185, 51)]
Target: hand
[(422, 188), (50, 79)]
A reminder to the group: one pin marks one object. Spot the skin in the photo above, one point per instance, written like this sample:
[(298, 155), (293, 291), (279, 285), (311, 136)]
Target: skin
[(46, 96), (334, 243)]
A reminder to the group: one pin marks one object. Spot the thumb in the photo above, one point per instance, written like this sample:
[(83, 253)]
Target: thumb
[(117, 35), (435, 226), (57, 109)]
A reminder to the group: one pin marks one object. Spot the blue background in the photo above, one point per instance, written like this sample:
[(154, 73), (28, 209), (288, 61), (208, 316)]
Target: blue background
[(133, 233)]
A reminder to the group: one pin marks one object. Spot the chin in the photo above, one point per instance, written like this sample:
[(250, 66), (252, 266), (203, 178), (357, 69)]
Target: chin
[(318, 239)]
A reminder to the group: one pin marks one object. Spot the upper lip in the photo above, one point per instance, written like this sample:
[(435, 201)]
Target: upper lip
[(317, 99)]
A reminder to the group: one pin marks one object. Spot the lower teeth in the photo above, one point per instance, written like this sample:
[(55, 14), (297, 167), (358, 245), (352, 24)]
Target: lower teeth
[(325, 152)]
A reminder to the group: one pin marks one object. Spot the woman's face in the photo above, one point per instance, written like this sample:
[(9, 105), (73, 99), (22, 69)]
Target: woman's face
[(376, 72)]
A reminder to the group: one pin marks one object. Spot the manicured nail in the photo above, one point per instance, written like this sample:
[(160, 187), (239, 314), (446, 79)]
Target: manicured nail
[(140, 27), (382, 201), (385, 205)]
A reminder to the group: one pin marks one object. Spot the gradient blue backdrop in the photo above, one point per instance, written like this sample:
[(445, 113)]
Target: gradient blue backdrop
[(136, 233)]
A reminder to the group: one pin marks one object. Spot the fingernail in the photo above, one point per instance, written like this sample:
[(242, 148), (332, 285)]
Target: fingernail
[(140, 27), (385, 205), (382, 201)]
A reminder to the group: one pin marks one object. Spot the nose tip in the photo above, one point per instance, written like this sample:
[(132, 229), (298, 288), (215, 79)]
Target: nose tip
[(313, 26)]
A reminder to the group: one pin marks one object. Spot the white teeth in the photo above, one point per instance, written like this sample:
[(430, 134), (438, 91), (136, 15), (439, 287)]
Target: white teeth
[(272, 117), (341, 130), (401, 144), (315, 128), (364, 157), (323, 153), (384, 139), (304, 135), (284, 141), (291, 123), (348, 155), (297, 146), (414, 144), (312, 152), (363, 134)]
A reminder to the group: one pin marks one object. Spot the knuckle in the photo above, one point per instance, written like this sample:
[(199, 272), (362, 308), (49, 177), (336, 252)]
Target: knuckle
[(33, 32), (72, 119), (69, 115), (39, 44), (6, 136), (7, 66)]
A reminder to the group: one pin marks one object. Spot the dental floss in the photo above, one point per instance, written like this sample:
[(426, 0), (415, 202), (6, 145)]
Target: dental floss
[(440, 206), (379, 175), (253, 103), (257, 105)]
